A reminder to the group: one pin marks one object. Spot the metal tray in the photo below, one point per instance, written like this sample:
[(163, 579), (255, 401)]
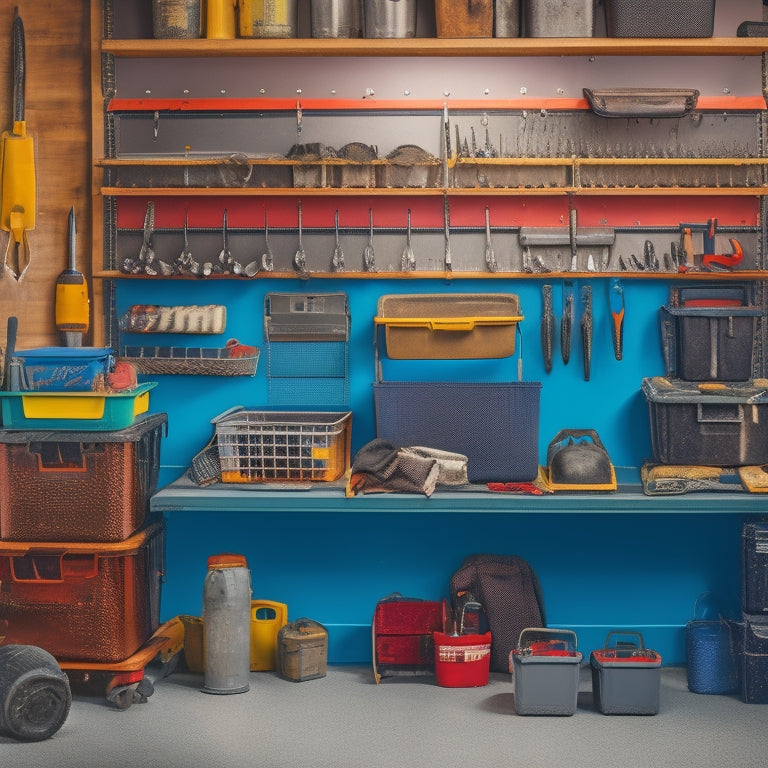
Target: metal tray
[(642, 102)]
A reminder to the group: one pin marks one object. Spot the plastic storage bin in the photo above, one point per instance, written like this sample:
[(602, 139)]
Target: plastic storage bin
[(62, 369), (721, 425), (83, 411), (626, 676), (545, 667), (495, 425), (68, 486), (462, 661), (751, 650), (283, 446), (709, 343), (82, 601), (459, 326), (302, 650), (755, 568), (649, 18)]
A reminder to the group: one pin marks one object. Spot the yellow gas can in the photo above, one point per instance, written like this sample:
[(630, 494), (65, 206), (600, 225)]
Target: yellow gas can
[(267, 619)]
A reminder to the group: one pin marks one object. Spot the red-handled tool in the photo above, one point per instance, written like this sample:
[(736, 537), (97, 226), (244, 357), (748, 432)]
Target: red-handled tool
[(724, 260)]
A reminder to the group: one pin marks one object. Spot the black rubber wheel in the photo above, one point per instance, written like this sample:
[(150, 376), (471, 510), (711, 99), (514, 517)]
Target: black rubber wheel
[(35, 696)]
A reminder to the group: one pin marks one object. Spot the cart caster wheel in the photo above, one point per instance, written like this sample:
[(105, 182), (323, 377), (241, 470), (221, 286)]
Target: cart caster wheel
[(143, 691), (122, 696)]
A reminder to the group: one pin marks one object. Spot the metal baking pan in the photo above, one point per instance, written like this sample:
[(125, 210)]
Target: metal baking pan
[(642, 102)]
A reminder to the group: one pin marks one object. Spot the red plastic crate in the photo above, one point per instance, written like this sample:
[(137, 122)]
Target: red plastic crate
[(74, 486), (81, 601)]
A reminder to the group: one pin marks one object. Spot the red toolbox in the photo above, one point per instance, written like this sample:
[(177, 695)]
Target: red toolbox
[(403, 629), (78, 486), (81, 601)]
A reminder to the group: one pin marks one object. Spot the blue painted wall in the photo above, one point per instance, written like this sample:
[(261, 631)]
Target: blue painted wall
[(598, 572)]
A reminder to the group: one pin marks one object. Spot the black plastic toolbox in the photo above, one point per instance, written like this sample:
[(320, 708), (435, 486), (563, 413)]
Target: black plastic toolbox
[(755, 568), (708, 424), (751, 653), (709, 343)]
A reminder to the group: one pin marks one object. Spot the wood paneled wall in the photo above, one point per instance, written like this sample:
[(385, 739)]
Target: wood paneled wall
[(58, 117)]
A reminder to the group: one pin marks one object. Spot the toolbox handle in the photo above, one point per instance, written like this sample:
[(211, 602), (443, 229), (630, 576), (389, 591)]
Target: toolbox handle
[(34, 568), (562, 634), (715, 413), (638, 645)]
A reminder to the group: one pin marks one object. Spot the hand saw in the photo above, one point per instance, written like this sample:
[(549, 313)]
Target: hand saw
[(18, 205)]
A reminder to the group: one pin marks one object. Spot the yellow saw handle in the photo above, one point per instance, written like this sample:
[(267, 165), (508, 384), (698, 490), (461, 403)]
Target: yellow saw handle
[(18, 209)]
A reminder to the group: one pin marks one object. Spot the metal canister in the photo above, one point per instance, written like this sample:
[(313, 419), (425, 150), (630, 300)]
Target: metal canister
[(390, 18), (227, 624), (176, 19), (302, 650), (506, 18), (220, 19), (337, 18), (268, 18)]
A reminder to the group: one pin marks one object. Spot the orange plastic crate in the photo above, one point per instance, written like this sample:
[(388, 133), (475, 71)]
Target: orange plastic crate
[(73, 486), (81, 601)]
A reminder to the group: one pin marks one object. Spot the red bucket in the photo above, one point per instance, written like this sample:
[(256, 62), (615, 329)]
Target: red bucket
[(462, 661)]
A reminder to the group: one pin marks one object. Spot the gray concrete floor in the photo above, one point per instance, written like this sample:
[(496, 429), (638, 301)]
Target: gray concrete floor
[(345, 720)]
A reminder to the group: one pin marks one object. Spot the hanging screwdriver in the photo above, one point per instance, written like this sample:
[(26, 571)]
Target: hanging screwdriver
[(72, 303)]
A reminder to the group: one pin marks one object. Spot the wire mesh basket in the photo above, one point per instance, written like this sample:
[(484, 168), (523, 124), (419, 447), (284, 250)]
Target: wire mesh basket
[(283, 446), (191, 361)]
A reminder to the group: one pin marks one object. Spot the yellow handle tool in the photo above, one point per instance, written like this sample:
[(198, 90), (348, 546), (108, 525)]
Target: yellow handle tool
[(72, 303), (18, 203)]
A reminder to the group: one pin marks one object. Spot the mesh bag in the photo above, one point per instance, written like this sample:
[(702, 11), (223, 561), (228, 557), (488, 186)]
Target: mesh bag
[(508, 589)]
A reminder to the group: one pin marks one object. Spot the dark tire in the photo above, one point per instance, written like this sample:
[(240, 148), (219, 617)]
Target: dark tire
[(35, 696)]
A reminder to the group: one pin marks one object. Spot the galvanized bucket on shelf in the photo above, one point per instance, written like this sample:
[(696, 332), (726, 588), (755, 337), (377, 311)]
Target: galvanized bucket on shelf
[(337, 18), (176, 19), (390, 18), (268, 18), (507, 18)]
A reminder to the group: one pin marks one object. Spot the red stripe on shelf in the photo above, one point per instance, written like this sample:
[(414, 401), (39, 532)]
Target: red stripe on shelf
[(727, 103)]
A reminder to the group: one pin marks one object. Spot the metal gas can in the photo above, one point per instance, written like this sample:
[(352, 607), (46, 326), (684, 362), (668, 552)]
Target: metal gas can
[(227, 624)]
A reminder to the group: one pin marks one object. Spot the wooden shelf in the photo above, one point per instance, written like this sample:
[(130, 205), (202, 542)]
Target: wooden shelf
[(439, 47), (421, 191), (737, 275)]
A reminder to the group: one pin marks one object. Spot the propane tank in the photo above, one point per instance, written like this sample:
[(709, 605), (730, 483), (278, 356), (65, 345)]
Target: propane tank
[(226, 624)]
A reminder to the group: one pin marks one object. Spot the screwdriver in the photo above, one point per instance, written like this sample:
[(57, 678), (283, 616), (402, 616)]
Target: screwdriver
[(72, 303)]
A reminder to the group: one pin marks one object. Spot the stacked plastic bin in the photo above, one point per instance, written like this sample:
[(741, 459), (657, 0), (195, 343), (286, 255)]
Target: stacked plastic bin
[(709, 411), (81, 560), (751, 635)]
